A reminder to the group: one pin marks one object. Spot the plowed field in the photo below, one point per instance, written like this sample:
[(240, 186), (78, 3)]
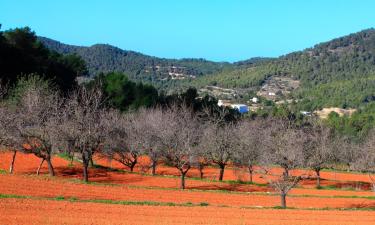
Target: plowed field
[(118, 197)]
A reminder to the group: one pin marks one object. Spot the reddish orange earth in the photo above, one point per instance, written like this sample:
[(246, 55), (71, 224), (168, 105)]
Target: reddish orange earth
[(12, 211), (29, 199)]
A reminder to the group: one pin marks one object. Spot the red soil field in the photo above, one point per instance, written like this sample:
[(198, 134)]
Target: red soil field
[(238, 174), (138, 187), (27, 163), (47, 187), (12, 211)]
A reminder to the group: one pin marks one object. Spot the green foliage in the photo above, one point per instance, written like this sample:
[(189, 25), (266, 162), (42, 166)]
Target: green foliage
[(357, 126), (27, 83), (338, 73), (123, 94), (102, 58), (21, 54)]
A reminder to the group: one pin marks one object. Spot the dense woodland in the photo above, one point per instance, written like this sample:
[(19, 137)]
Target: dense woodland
[(103, 58)]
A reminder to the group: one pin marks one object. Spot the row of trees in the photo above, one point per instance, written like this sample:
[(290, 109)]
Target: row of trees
[(36, 119)]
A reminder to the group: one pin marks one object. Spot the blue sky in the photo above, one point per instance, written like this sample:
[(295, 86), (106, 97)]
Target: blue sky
[(219, 30)]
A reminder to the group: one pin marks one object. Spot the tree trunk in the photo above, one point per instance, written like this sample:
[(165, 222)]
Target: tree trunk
[(283, 200), (182, 180), (50, 167), (221, 175), (317, 178), (91, 162), (286, 172), (132, 165), (201, 172), (153, 168), (251, 173), (85, 162), (72, 159), (40, 166), (12, 162), (85, 172)]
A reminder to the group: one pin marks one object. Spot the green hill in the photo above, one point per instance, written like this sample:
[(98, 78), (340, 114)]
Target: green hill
[(340, 72), (107, 58)]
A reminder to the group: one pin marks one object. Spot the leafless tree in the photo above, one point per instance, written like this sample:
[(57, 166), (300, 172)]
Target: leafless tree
[(320, 148), (125, 143), (31, 119), (150, 120), (219, 142), (365, 157), (282, 183), (82, 129), (249, 137), (285, 146), (10, 125), (201, 161), (39, 107), (179, 135), (10, 132), (346, 151)]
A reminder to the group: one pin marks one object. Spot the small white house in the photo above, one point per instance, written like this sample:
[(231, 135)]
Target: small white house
[(306, 113), (241, 108), (271, 93), (255, 100)]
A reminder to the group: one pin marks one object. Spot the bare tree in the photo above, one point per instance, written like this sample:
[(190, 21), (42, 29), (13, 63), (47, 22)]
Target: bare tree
[(125, 144), (150, 120), (219, 142), (201, 161), (347, 152), (10, 125), (285, 146), (319, 152), (365, 157), (82, 129), (10, 132), (282, 183), (39, 106), (30, 119), (179, 135), (249, 137)]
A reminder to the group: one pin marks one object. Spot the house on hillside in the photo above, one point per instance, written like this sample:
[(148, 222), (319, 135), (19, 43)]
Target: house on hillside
[(224, 103), (241, 108), (255, 100)]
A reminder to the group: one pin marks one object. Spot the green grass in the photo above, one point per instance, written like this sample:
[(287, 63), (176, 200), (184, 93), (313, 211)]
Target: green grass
[(60, 198), (68, 158), (187, 204), (104, 201), (3, 171), (204, 204)]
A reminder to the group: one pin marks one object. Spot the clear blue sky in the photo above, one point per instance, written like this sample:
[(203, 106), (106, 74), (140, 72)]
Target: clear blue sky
[(220, 30)]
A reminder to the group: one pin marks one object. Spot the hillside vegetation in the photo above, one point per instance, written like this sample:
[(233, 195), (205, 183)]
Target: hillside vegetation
[(107, 58), (339, 73)]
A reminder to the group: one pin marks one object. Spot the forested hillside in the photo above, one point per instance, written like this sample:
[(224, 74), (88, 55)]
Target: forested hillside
[(340, 72), (106, 58)]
